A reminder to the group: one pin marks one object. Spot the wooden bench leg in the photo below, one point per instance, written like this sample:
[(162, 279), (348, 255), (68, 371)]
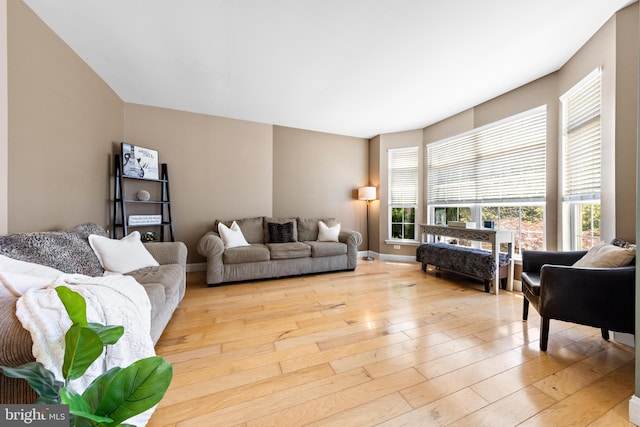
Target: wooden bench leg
[(605, 333), (487, 284)]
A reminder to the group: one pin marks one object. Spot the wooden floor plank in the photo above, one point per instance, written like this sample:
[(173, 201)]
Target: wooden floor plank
[(388, 345)]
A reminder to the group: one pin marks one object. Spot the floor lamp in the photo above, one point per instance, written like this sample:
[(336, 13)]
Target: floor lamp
[(367, 194)]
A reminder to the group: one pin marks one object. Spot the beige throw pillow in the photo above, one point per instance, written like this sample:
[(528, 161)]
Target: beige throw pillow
[(605, 255)]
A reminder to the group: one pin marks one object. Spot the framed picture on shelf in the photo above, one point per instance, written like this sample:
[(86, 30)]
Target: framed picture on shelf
[(139, 162)]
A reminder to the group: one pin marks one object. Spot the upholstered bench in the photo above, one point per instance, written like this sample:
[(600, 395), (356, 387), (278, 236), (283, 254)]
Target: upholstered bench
[(471, 262)]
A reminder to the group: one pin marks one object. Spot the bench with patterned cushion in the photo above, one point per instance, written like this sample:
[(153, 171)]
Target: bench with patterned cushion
[(471, 262)]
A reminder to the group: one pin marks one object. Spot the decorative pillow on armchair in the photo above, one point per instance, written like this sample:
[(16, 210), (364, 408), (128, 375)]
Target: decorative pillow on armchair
[(606, 255)]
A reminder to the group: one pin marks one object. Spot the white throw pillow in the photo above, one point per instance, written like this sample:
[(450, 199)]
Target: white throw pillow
[(122, 256), (605, 255), (17, 284), (328, 234), (232, 236)]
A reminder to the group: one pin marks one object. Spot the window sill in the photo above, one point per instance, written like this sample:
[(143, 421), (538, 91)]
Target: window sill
[(402, 242)]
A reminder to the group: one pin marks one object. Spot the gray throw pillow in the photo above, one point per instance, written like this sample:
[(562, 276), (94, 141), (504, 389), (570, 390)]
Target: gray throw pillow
[(280, 233)]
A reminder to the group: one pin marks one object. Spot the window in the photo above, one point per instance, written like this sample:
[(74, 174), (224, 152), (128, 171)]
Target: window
[(581, 164), (403, 193), (496, 172)]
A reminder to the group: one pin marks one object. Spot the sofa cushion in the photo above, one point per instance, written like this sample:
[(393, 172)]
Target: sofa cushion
[(251, 228), (168, 275), (66, 251), (157, 297), (289, 250), (253, 253), (281, 233), (531, 283), (308, 228), (268, 221), (320, 249)]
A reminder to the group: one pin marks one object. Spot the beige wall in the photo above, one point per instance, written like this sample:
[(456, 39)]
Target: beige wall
[(317, 174), (258, 169), (4, 122), (64, 120), (66, 124), (627, 48), (614, 48), (218, 168)]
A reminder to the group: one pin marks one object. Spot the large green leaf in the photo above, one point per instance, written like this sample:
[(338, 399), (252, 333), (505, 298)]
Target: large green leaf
[(135, 389), (98, 388), (108, 334), (74, 303), (80, 408), (40, 379), (82, 347)]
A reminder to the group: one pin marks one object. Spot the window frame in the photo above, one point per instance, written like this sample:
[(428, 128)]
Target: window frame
[(412, 199), (572, 196)]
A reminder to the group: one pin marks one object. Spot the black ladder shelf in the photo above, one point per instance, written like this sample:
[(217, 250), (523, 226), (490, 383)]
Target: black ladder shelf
[(121, 199)]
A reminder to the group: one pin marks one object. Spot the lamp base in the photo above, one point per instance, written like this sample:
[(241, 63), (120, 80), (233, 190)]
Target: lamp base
[(367, 258)]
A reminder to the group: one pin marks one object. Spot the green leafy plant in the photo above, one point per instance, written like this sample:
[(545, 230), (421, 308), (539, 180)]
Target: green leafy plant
[(114, 396), (149, 236)]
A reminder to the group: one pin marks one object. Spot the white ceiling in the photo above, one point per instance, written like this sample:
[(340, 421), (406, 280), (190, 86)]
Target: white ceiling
[(350, 67)]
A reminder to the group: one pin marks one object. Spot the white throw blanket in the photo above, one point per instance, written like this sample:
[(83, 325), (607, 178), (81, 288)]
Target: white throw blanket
[(111, 300)]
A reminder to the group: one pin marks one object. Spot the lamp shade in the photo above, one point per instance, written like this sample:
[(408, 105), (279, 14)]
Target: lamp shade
[(367, 193)]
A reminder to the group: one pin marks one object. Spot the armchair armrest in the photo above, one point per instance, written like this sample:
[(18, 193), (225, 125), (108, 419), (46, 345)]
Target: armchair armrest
[(212, 247), (353, 239), (599, 297), (532, 261)]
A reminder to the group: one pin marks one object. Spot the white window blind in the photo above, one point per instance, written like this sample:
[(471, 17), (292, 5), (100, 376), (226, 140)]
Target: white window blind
[(581, 140), (403, 176), (503, 161)]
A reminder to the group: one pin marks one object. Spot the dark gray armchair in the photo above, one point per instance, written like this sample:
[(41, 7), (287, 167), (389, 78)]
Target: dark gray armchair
[(600, 297)]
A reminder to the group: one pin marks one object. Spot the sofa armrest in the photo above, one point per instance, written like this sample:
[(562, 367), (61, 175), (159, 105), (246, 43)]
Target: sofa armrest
[(15, 341), (168, 252), (15, 350), (353, 239), (532, 261), (600, 297), (212, 247)]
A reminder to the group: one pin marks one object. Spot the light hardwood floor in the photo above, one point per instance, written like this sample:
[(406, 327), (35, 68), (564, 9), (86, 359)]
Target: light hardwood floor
[(385, 345)]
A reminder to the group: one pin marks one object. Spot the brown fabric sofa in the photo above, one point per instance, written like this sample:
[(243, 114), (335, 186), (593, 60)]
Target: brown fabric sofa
[(263, 259), (69, 251)]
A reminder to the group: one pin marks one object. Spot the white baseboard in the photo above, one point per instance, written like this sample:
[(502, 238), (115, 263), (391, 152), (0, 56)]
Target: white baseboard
[(387, 257), (201, 266), (634, 410), (622, 338)]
